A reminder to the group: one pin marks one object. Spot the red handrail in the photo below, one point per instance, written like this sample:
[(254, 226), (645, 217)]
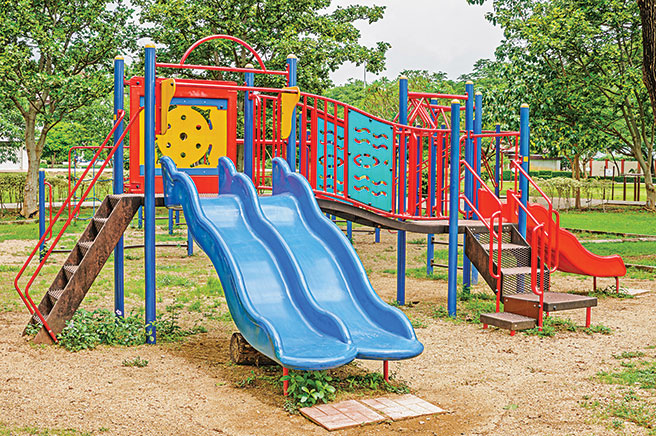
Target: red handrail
[(490, 226), (228, 37), (554, 247), (25, 295)]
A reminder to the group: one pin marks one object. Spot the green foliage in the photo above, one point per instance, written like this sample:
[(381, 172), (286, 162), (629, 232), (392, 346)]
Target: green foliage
[(373, 381), (553, 324), (306, 388), (643, 375), (382, 96), (586, 57), (168, 329), (322, 40), (87, 330), (137, 362), (32, 329), (56, 59), (470, 307)]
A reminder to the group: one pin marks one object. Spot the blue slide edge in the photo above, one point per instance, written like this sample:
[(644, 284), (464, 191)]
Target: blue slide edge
[(382, 314)]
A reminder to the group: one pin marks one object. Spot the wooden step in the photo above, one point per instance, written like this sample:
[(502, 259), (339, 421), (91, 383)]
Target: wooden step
[(508, 321), (554, 301)]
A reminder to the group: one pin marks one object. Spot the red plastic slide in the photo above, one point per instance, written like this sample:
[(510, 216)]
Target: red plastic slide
[(573, 257)]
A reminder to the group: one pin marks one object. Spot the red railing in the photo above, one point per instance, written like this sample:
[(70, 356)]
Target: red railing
[(323, 157), (553, 224), (498, 235), (25, 294)]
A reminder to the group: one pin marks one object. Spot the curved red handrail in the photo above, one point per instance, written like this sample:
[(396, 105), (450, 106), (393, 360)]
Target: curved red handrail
[(25, 295), (228, 37)]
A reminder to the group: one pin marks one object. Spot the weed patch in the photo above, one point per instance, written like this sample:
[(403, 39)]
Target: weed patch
[(470, 308), (137, 362), (87, 330)]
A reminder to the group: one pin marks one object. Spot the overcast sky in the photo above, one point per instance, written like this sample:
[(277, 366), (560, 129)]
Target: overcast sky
[(434, 35)]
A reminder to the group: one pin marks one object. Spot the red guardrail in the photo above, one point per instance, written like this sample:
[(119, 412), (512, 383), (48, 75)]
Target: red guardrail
[(25, 294)]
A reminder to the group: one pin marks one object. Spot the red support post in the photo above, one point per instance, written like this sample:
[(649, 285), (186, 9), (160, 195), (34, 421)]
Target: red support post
[(285, 384), (588, 315), (617, 285), (594, 283), (386, 370)]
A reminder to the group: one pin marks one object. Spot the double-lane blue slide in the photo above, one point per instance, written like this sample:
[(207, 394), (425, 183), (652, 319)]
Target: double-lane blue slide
[(294, 285)]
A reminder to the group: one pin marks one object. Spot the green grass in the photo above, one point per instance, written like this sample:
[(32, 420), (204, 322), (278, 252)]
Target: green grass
[(618, 220), (10, 430), (29, 231), (637, 372), (470, 307), (642, 373)]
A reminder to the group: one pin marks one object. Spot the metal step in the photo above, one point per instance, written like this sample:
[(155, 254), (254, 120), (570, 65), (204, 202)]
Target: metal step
[(509, 321), (36, 318), (54, 295), (69, 270), (84, 246), (517, 271)]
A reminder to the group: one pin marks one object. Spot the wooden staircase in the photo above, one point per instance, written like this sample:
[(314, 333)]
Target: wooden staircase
[(84, 263), (521, 304)]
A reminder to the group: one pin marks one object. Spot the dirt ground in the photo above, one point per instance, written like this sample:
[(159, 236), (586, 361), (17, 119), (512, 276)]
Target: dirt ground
[(490, 383)]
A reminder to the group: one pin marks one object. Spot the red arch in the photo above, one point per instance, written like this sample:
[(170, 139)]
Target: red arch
[(231, 38)]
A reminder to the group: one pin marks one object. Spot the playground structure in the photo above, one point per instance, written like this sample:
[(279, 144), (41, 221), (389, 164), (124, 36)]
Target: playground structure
[(419, 173)]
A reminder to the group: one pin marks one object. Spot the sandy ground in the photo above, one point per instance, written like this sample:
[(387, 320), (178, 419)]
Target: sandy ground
[(491, 383)]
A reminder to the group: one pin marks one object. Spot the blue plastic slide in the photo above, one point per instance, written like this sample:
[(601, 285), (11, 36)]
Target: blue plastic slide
[(268, 281)]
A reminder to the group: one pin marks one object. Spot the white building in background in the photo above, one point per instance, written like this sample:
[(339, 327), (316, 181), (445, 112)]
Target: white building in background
[(21, 160)]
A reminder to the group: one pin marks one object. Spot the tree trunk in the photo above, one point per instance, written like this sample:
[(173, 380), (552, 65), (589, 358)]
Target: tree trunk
[(648, 18), (576, 175), (34, 149)]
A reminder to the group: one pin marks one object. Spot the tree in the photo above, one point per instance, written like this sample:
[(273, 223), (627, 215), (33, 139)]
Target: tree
[(56, 58), (322, 40), (584, 57), (382, 96)]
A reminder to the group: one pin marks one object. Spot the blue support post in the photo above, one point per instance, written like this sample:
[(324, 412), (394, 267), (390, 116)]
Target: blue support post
[(140, 217), (177, 217), (249, 109), (478, 129), (497, 163), (469, 178), (400, 236), (190, 242), (119, 98), (454, 191), (376, 235), (349, 230), (149, 193), (170, 221), (524, 152), (292, 65), (42, 211)]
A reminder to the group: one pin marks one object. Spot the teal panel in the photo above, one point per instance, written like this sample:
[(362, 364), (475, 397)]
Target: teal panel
[(328, 138), (370, 144)]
